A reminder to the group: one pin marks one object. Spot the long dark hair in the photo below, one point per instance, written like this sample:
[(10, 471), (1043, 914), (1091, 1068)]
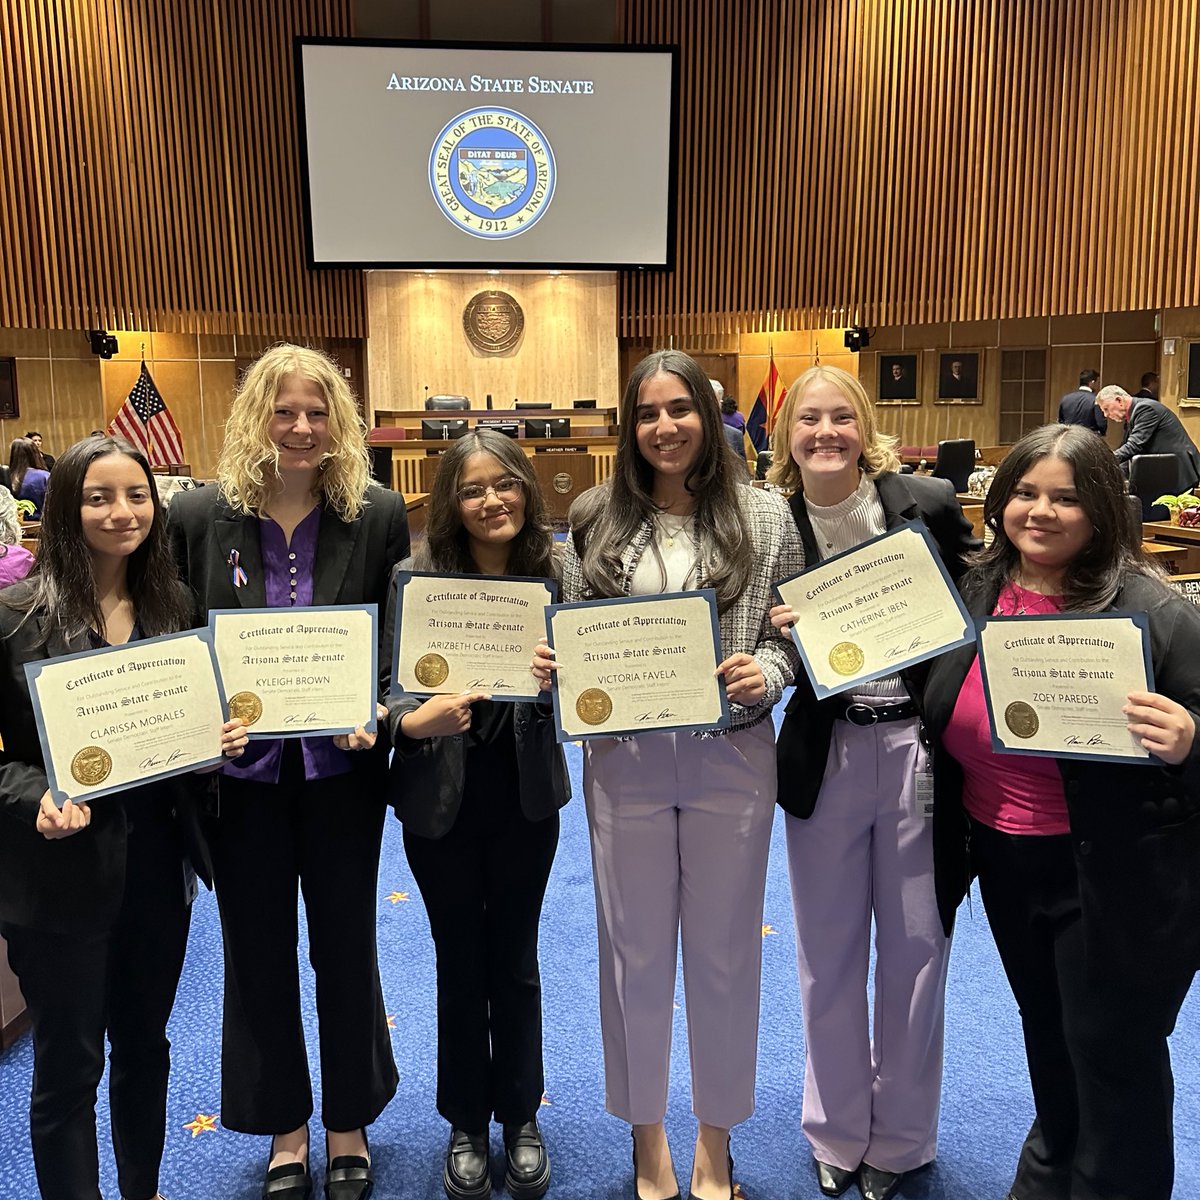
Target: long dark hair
[(611, 518), (62, 586), (447, 545), (23, 457), (1094, 576)]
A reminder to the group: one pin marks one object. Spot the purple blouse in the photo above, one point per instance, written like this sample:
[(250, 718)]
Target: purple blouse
[(288, 583)]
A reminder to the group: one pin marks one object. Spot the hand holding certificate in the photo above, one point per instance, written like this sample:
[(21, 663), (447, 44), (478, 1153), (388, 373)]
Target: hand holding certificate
[(1059, 684), (114, 718), (299, 672), (884, 605), (636, 665), (468, 633)]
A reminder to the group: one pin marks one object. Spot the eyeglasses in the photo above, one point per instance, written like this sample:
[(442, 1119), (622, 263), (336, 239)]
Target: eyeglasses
[(507, 487)]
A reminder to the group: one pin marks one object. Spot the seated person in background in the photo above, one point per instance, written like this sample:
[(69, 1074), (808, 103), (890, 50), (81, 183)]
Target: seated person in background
[(27, 474), (15, 561), (36, 439), (1150, 428)]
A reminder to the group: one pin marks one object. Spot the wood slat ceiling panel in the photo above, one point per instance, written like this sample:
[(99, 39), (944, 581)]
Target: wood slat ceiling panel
[(886, 162), (149, 169)]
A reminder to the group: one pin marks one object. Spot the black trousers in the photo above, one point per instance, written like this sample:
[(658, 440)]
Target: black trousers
[(483, 885), (1096, 1043), (121, 982), (269, 841)]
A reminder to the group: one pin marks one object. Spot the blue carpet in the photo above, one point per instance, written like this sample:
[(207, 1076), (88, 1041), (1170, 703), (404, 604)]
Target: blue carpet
[(986, 1106)]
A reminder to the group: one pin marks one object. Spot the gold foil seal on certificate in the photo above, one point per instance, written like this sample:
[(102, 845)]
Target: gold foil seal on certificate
[(1021, 719), (846, 658), (431, 670), (245, 705), (91, 766), (593, 706)]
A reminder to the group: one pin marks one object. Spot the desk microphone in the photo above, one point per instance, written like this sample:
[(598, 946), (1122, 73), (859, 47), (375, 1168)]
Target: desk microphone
[(489, 401)]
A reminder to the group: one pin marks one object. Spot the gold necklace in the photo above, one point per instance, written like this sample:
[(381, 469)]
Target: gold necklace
[(670, 534)]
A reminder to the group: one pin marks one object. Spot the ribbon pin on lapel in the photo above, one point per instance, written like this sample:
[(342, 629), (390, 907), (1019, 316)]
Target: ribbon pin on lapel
[(236, 573)]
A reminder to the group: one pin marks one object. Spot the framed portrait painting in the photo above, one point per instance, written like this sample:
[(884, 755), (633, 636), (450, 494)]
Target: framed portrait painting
[(958, 378), (9, 408), (898, 379)]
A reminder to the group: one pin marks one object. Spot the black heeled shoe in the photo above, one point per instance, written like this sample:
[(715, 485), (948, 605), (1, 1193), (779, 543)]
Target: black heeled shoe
[(729, 1159), (878, 1185), (289, 1181), (833, 1181), (636, 1194), (349, 1176)]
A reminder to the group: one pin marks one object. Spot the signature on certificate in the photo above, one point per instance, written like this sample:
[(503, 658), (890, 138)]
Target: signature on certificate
[(156, 762), (664, 714), (496, 685), (1095, 739), (918, 643), (307, 719)]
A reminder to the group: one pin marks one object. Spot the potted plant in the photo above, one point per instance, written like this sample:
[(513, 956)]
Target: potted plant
[(1184, 508)]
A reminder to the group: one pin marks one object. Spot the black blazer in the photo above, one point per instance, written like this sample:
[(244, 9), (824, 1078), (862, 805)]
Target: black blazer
[(807, 728), (353, 562), (1153, 428), (1135, 828), (75, 884), (1080, 408), (425, 786)]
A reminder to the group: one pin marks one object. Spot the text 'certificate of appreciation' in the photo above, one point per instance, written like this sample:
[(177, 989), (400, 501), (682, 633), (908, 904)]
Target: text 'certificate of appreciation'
[(121, 716), (467, 633), (637, 665), (884, 605), (1057, 684), (299, 672)]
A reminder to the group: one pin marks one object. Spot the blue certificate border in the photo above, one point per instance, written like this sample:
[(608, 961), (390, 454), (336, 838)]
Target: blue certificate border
[(1139, 619), (709, 594), (402, 579), (33, 671), (325, 731), (917, 526)]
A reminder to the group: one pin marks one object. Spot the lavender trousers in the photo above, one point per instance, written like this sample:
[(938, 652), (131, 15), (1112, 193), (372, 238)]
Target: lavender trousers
[(680, 828), (867, 849)]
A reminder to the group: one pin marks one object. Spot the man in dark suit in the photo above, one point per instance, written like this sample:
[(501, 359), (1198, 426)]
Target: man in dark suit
[(1079, 407), (1150, 428), (1149, 388)]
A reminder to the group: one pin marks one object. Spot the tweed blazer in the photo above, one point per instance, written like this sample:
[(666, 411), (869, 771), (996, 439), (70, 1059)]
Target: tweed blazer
[(1135, 827), (745, 625)]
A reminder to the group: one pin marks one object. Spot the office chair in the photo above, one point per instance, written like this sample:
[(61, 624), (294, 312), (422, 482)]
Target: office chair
[(955, 461), (1151, 476), (445, 403)]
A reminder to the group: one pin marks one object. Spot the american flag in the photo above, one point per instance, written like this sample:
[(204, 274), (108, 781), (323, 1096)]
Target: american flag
[(145, 421)]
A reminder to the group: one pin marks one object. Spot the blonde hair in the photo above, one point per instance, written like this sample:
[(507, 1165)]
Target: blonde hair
[(878, 449), (249, 459)]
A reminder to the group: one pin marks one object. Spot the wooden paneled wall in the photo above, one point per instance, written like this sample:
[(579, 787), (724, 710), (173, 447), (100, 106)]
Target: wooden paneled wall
[(149, 169), (417, 345), (880, 162)]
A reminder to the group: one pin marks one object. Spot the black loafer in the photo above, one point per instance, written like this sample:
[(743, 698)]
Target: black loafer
[(527, 1175), (288, 1182), (833, 1181), (467, 1175), (876, 1184), (349, 1177)]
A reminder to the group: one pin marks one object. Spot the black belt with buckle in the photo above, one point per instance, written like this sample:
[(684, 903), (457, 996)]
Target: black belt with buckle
[(865, 715)]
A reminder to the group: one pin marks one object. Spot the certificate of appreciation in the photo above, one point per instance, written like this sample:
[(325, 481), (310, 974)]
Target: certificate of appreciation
[(299, 672), (884, 605), (114, 718), (460, 633), (637, 665), (1057, 684)]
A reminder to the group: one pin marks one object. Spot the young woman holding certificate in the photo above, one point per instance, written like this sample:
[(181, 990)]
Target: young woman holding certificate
[(1089, 871), (478, 784), (858, 840), (681, 824), (95, 900), (297, 521)]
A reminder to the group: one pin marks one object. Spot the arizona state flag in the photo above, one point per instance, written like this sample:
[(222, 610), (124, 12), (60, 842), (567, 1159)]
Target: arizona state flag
[(766, 407)]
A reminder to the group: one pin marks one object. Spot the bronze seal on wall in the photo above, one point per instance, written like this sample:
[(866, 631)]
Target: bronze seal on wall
[(493, 322)]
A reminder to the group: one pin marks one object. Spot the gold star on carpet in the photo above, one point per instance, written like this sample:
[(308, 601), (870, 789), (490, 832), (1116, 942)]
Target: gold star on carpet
[(396, 897), (769, 930), (391, 1021), (204, 1123), (738, 1194), (545, 1100)]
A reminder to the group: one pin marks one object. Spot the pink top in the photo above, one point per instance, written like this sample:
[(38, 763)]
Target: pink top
[(1012, 793), (15, 563)]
